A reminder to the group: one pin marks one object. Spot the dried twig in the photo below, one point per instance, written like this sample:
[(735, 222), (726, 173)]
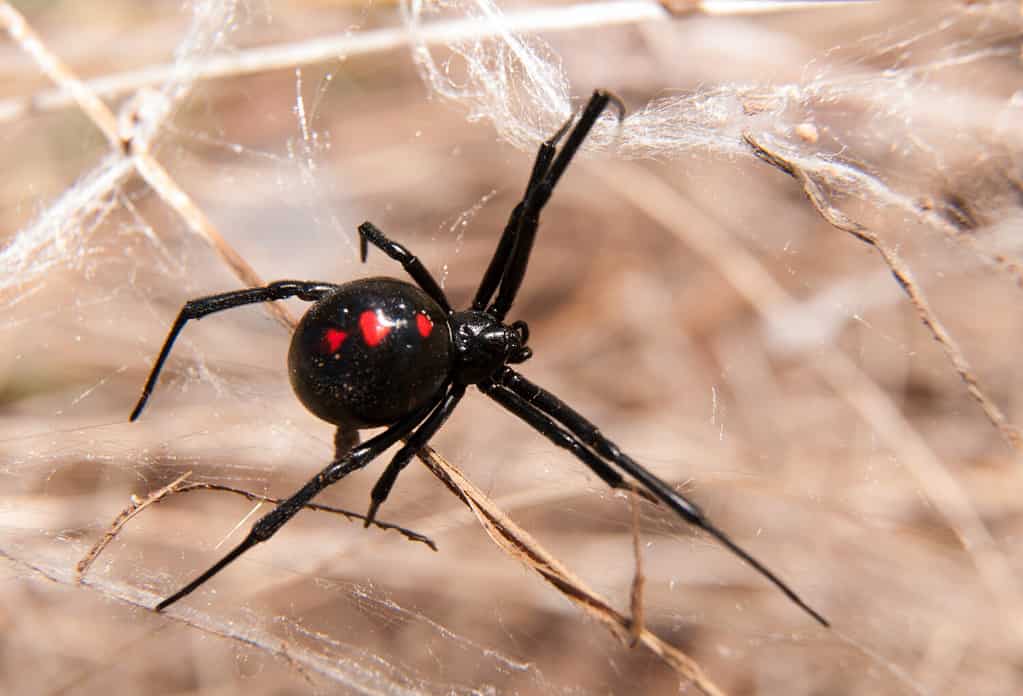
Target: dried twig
[(815, 193), (122, 519), (175, 197), (516, 542), (681, 8), (179, 485), (638, 579), (331, 48), (22, 34), (316, 507)]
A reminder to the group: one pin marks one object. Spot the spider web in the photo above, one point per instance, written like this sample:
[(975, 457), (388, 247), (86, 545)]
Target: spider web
[(825, 359)]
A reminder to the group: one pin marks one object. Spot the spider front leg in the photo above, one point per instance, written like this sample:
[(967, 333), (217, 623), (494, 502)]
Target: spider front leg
[(267, 526), (586, 432), (517, 242), (495, 270), (370, 233), (200, 307)]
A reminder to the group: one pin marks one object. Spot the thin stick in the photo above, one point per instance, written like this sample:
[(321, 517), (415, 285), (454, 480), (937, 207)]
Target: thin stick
[(340, 46), (74, 89), (317, 507), (814, 192), (122, 519), (638, 579), (517, 543), (175, 197), (179, 485), (680, 8)]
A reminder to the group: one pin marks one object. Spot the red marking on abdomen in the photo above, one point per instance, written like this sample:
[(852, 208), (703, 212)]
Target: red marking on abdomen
[(373, 331), (332, 340), (424, 325)]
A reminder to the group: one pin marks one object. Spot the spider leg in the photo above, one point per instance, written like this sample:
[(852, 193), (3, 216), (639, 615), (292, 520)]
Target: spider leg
[(555, 433), (370, 233), (590, 435), (267, 526), (495, 270), (536, 198), (415, 442), (200, 307)]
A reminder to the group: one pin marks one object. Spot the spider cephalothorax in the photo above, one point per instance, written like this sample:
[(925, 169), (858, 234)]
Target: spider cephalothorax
[(483, 345), (383, 352)]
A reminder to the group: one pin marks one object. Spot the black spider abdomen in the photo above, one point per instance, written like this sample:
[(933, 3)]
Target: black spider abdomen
[(370, 353)]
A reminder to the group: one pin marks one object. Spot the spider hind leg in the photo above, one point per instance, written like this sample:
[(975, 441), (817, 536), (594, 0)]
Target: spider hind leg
[(268, 525), (416, 441), (508, 266), (577, 427)]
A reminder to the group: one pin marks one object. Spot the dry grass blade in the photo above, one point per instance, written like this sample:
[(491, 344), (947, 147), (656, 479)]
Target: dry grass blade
[(748, 7), (122, 519), (315, 507), (54, 68), (815, 193), (179, 485), (346, 45), (638, 580), (175, 197), (516, 542)]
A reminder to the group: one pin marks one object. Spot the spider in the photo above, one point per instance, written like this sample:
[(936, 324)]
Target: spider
[(383, 352)]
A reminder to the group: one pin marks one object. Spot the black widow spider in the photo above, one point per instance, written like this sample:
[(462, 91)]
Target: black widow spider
[(382, 352)]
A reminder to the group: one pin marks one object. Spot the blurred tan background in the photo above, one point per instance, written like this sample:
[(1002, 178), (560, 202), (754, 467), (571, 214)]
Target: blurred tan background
[(695, 306)]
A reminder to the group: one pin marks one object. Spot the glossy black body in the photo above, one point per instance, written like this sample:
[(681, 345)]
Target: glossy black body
[(374, 378)]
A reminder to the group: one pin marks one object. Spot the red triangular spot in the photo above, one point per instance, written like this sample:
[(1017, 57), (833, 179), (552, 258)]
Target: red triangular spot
[(332, 340), (424, 325), (373, 331)]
